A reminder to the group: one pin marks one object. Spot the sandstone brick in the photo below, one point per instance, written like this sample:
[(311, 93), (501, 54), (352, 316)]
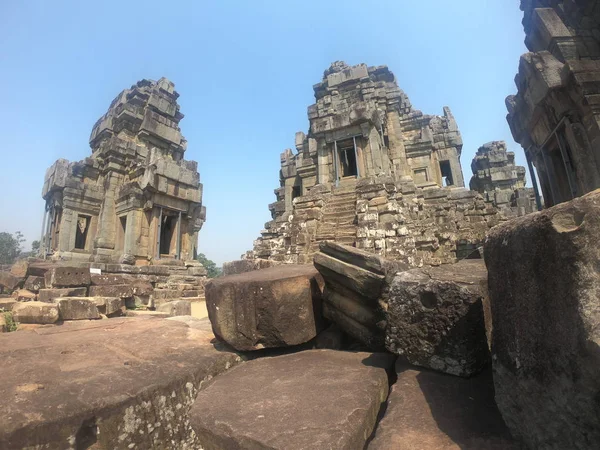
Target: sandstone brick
[(77, 308), (59, 277), (35, 312)]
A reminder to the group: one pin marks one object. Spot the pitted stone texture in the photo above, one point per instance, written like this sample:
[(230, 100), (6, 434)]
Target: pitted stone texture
[(49, 295), (247, 265), (275, 307), (35, 312), (544, 285), (435, 317), (61, 277), (77, 308), (101, 385), (428, 410), (109, 306), (34, 283), (317, 399)]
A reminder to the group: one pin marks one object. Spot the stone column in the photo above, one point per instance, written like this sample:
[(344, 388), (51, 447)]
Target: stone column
[(105, 237), (397, 149)]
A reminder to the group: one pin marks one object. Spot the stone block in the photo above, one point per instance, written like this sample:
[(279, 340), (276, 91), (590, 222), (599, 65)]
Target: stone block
[(428, 410), (323, 399), (49, 295), (109, 306), (9, 281), (142, 313), (19, 269), (435, 317), (124, 372), (109, 279), (275, 307), (77, 308), (176, 308), (59, 277), (544, 290), (115, 290), (34, 284), (6, 304), (35, 312), (354, 284), (23, 295)]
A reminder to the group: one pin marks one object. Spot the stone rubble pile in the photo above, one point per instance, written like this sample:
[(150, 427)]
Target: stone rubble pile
[(47, 292)]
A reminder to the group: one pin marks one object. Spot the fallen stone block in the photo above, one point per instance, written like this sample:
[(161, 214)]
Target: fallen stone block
[(9, 281), (428, 410), (316, 399), (6, 304), (435, 317), (23, 295), (544, 287), (275, 307), (49, 295), (59, 277), (77, 308), (109, 279), (34, 284), (176, 308), (247, 265), (143, 313), (35, 312), (116, 290), (109, 306), (355, 282), (19, 268), (115, 391)]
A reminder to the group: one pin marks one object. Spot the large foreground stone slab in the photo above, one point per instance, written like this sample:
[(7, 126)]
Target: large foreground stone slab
[(435, 317), (434, 411), (317, 399), (110, 384), (544, 284), (275, 307)]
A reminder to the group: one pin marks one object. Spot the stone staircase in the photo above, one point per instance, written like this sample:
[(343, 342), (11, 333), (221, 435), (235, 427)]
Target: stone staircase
[(339, 214)]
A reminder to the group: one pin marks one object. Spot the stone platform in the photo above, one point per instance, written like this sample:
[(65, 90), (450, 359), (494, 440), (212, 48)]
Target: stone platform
[(111, 384)]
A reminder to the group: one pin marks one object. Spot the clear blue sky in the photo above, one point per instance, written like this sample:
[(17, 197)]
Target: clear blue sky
[(245, 71)]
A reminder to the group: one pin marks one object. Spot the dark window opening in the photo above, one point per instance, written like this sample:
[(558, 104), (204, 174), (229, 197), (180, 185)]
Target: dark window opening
[(347, 158), (167, 230), (446, 170), (557, 173), (83, 225), (296, 191), (122, 230)]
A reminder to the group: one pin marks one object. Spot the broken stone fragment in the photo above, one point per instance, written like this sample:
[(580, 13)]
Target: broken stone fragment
[(275, 307), (316, 399), (355, 282), (77, 308), (19, 269), (34, 283), (544, 288), (6, 304), (176, 308), (435, 317), (49, 295), (35, 312), (58, 277), (23, 295)]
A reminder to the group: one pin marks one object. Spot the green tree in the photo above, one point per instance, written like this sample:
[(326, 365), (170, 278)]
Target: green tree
[(35, 247), (210, 266), (10, 247)]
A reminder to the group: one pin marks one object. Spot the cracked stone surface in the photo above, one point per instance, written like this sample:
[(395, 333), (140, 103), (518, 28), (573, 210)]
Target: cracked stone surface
[(318, 399), (111, 384)]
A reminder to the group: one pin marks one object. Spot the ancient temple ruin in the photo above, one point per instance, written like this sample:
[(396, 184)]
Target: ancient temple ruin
[(135, 199), (500, 181), (555, 115), (377, 174)]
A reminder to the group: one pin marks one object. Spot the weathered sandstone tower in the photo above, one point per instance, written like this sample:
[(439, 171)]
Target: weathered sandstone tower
[(136, 198)]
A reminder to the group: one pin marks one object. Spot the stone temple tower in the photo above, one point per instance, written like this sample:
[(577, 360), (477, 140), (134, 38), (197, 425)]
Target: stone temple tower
[(135, 199)]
